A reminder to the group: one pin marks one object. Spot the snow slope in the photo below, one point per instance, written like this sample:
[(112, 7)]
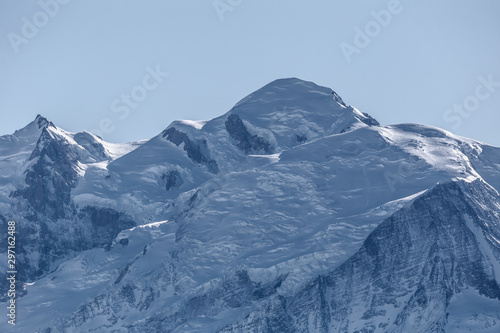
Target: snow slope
[(423, 265), (260, 207)]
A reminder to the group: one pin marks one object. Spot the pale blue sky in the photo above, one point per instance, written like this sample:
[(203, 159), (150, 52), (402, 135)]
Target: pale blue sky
[(75, 68)]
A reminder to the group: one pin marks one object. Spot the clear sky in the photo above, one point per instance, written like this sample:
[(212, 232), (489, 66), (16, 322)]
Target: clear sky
[(102, 65)]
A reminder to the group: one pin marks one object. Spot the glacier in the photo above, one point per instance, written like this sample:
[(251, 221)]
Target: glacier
[(292, 212)]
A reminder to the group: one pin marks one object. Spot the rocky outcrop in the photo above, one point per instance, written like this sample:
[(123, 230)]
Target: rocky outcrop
[(405, 274), (245, 141), (171, 180), (193, 149), (369, 120), (233, 292), (106, 224), (51, 177)]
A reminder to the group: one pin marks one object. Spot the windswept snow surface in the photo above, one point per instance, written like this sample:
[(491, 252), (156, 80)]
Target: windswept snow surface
[(254, 205)]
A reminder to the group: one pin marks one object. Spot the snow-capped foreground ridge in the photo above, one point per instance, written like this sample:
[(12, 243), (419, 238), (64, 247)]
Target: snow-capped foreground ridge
[(292, 212)]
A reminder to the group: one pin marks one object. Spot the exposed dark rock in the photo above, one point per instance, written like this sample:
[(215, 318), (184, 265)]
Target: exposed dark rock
[(337, 98), (171, 179), (123, 273), (370, 120), (42, 122), (247, 142), (127, 293), (345, 129), (265, 290), (425, 253), (124, 241), (301, 138), (270, 318), (106, 224), (50, 179), (193, 149), (234, 293), (180, 232)]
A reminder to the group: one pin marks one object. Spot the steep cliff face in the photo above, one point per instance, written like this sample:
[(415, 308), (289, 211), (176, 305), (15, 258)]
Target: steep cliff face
[(408, 271), (45, 164), (245, 141), (51, 176), (194, 150)]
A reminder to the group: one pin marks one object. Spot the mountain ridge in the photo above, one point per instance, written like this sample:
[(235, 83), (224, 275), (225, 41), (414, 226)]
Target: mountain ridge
[(209, 221), (334, 315)]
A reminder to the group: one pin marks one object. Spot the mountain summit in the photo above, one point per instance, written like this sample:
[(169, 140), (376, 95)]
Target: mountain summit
[(291, 212), (295, 111)]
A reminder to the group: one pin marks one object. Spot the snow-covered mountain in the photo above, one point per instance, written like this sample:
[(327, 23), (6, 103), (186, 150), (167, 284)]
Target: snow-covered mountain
[(432, 266), (292, 212)]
